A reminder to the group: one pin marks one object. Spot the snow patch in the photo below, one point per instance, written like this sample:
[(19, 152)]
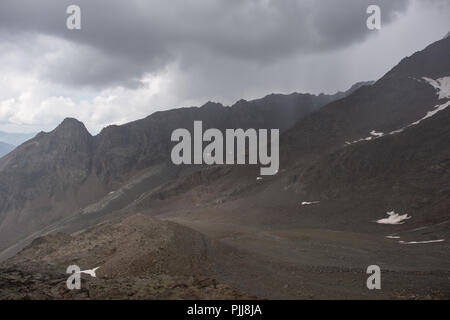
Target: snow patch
[(376, 134), (394, 218), (308, 203), (442, 85), (421, 242), (432, 113), (373, 135), (259, 178), (393, 237)]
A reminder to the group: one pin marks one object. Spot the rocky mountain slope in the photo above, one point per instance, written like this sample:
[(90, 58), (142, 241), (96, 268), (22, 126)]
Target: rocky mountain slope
[(398, 99), (385, 147), (363, 180), (138, 258), (59, 173)]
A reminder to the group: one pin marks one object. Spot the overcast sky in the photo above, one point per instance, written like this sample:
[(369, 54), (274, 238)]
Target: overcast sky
[(134, 57)]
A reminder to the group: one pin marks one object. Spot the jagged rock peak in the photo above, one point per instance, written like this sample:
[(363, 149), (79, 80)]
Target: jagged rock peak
[(72, 125), (211, 104)]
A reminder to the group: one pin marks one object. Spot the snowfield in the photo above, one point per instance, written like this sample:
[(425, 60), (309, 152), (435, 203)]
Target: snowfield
[(307, 203), (376, 134), (442, 85), (394, 218), (432, 113)]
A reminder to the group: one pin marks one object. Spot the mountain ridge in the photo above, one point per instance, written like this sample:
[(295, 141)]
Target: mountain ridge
[(57, 173), (316, 225)]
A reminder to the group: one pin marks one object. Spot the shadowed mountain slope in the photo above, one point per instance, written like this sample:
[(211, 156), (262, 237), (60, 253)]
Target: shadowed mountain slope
[(59, 173), (381, 152)]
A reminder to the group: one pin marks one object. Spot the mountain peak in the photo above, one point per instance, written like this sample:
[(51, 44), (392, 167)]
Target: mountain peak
[(447, 36), (432, 62), (71, 125), (211, 104), (71, 121)]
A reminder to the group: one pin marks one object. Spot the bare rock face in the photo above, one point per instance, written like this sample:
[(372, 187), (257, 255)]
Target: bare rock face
[(49, 163), (42, 174)]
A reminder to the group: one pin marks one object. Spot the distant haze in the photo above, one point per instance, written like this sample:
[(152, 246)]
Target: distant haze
[(15, 139), (5, 148)]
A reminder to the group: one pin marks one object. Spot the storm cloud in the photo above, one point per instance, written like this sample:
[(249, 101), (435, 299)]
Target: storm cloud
[(122, 40), (134, 57)]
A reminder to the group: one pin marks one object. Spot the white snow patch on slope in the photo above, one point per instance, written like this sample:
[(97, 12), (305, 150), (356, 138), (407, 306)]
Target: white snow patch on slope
[(376, 134), (432, 112), (442, 85), (373, 135), (308, 203), (421, 242), (394, 218), (393, 237), (359, 140)]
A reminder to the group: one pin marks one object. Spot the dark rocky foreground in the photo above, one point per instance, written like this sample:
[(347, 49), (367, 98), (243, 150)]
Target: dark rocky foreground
[(139, 258), (22, 285), (144, 258)]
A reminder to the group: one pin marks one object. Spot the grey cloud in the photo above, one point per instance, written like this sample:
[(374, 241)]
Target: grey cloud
[(122, 40)]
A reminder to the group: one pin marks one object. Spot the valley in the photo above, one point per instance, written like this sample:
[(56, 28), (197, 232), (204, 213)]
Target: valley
[(346, 196)]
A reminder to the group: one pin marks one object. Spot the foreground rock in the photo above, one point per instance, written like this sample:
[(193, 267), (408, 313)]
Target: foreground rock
[(139, 258)]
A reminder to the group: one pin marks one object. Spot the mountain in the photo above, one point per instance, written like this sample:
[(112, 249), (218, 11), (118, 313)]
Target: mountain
[(388, 147), (364, 179), (389, 139), (67, 171), (15, 138), (383, 149), (5, 148), (401, 97)]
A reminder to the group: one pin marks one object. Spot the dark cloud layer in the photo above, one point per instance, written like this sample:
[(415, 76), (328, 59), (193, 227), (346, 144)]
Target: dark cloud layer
[(122, 40)]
